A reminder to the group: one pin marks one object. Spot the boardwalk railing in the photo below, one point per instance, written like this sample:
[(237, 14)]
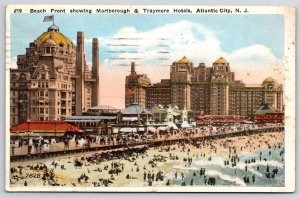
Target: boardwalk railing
[(150, 143)]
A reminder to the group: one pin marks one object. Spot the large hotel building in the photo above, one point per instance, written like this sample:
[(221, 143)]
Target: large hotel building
[(205, 90), (52, 80)]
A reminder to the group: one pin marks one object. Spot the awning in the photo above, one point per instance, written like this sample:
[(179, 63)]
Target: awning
[(115, 130), (141, 128), (129, 119), (152, 129), (91, 118), (128, 130), (162, 128), (82, 120), (37, 134), (37, 126)]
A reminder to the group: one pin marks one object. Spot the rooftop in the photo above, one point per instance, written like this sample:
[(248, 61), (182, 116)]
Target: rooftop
[(184, 60), (54, 34), (221, 60), (134, 109), (44, 126), (265, 109), (100, 107), (269, 80)]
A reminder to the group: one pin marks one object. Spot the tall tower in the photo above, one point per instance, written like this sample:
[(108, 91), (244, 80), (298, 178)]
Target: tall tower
[(180, 75), (95, 73), (79, 82), (135, 87), (219, 87)]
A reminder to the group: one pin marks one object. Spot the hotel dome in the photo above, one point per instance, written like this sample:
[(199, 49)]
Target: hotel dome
[(55, 37), (269, 80), (221, 60), (184, 60)]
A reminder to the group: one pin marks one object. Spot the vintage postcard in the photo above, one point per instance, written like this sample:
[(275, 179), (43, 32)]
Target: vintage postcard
[(150, 98)]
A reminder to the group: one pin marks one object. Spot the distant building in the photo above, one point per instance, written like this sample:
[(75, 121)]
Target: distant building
[(135, 114), (268, 114), (168, 115), (158, 93), (203, 90), (246, 100), (52, 80), (214, 90), (180, 76), (135, 87), (91, 124)]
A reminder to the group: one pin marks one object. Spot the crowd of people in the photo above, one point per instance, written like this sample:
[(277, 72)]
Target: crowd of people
[(248, 158), (32, 145)]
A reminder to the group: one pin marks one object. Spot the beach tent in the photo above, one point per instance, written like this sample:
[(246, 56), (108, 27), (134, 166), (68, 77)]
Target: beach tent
[(172, 126), (185, 125)]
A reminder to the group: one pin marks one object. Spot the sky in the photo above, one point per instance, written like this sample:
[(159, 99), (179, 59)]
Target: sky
[(252, 44)]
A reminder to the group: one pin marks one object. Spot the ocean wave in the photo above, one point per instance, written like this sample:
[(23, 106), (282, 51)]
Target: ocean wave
[(222, 176)]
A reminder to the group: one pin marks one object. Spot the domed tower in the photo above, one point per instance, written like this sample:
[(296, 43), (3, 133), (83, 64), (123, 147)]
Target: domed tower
[(181, 75), (273, 93), (221, 77), (43, 84), (135, 87)]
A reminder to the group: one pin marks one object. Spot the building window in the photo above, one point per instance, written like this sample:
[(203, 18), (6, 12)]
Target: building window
[(43, 76), (23, 77)]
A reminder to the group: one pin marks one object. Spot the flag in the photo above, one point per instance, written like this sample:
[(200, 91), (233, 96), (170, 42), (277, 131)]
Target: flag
[(48, 18), (129, 92)]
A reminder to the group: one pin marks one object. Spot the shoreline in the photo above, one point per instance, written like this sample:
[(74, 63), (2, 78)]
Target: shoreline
[(210, 155)]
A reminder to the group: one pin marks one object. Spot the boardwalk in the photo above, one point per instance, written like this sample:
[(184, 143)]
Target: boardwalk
[(57, 149)]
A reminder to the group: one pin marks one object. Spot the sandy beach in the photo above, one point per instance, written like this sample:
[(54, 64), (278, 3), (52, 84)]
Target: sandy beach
[(255, 160)]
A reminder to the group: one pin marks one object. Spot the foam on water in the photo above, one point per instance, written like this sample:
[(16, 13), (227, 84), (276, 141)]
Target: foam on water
[(222, 176), (218, 161), (216, 173)]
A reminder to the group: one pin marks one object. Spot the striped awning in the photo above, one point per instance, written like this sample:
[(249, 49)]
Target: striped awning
[(129, 119), (83, 120), (128, 130)]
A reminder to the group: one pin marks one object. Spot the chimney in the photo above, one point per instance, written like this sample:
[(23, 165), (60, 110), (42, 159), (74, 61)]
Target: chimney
[(80, 63), (95, 73), (133, 72)]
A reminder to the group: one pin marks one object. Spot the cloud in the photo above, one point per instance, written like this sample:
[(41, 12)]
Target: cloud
[(167, 43), (255, 63), (13, 63), (155, 50), (161, 46)]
